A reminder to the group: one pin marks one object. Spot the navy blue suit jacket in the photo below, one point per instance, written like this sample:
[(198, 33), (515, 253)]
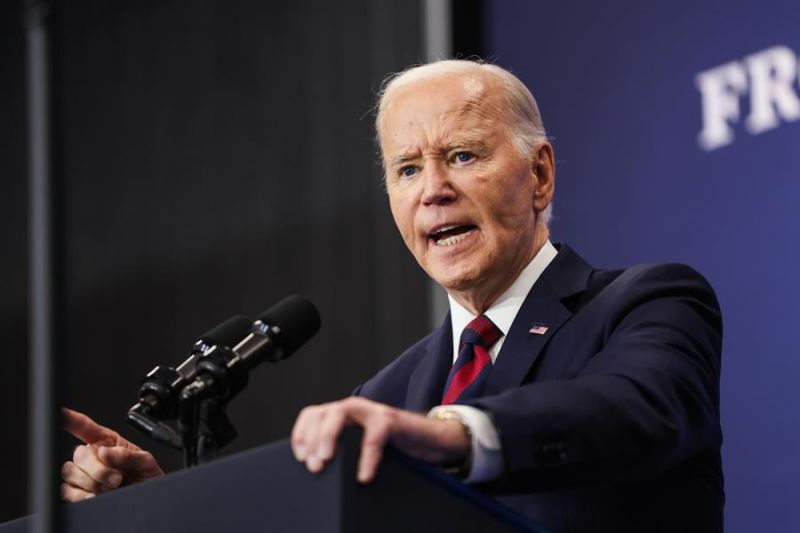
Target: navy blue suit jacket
[(609, 420)]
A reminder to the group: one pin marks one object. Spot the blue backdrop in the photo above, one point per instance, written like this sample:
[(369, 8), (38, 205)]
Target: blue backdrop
[(677, 131)]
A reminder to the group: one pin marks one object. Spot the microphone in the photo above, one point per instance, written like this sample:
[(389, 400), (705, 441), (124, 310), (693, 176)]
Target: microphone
[(158, 394), (275, 335)]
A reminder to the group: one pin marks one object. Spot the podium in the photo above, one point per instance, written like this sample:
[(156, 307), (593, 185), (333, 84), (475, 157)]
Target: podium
[(267, 490)]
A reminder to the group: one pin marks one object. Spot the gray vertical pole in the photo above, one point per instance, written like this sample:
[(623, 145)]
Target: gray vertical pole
[(43, 342), (438, 35)]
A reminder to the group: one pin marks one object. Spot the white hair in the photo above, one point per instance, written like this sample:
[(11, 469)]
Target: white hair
[(523, 118)]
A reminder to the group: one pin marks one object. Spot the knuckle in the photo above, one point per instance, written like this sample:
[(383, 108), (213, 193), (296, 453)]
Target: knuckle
[(145, 460), (330, 425), (66, 492), (353, 401), (343, 406), (66, 470), (331, 408), (385, 417), (82, 481), (309, 410), (298, 431), (79, 453), (307, 416)]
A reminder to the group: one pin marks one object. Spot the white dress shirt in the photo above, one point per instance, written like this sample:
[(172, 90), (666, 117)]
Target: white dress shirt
[(487, 458)]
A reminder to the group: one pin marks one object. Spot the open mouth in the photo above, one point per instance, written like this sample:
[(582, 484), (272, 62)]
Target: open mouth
[(452, 234)]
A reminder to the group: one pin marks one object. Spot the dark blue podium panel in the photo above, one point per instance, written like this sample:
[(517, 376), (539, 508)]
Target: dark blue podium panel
[(267, 490)]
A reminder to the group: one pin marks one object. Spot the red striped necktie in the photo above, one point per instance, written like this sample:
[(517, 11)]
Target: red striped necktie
[(471, 370)]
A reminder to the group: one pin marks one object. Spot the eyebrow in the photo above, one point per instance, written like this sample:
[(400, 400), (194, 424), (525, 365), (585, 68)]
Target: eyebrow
[(472, 144), (401, 159), (469, 144)]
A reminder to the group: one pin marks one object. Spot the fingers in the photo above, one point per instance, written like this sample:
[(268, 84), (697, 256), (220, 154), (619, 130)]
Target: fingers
[(318, 428), (375, 437), (86, 475), (90, 472), (105, 462), (298, 437), (86, 429), (329, 430), (313, 460), (314, 435), (135, 464), (74, 476), (74, 494), (94, 470)]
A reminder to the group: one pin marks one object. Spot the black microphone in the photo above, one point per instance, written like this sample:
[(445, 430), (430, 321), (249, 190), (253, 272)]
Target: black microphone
[(275, 335), (158, 394)]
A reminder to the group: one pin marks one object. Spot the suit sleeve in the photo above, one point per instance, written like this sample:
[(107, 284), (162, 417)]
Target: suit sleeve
[(645, 400)]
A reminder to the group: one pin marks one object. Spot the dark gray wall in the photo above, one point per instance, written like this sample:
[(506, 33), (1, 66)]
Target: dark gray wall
[(217, 157), (13, 266)]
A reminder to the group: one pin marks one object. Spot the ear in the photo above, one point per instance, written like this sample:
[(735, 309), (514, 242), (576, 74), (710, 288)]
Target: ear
[(543, 166)]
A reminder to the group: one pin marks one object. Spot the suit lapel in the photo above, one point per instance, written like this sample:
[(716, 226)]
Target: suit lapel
[(567, 275), (426, 385)]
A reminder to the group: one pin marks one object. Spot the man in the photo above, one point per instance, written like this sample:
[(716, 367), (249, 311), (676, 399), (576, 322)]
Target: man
[(585, 399)]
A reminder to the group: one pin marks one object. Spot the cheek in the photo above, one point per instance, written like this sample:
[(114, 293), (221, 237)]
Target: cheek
[(510, 229), (510, 212), (517, 203), (505, 196)]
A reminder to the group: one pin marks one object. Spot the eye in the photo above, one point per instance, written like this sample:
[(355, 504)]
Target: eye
[(463, 157), (408, 171)]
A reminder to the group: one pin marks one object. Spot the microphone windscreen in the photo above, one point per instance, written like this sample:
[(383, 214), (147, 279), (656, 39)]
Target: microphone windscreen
[(228, 333), (296, 317)]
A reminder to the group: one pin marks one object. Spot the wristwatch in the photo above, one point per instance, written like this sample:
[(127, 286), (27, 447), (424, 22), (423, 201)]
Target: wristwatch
[(460, 468)]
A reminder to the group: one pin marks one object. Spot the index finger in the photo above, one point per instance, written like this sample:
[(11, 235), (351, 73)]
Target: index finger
[(81, 426)]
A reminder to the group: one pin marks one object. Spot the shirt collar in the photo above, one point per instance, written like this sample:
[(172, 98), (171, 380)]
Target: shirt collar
[(503, 311)]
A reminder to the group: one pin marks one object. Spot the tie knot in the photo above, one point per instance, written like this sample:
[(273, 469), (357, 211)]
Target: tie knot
[(481, 331)]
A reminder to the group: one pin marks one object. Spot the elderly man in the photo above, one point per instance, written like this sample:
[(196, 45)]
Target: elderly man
[(584, 398)]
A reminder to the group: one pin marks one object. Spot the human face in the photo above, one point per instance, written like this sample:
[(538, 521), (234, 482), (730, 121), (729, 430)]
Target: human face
[(462, 195)]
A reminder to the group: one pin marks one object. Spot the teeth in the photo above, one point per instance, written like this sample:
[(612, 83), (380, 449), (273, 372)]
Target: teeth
[(452, 240), (446, 228)]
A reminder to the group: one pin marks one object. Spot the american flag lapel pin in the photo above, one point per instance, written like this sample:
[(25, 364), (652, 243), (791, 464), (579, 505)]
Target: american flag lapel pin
[(538, 329)]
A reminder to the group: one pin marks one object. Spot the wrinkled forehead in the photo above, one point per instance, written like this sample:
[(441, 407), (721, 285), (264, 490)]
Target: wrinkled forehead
[(473, 87), (463, 101)]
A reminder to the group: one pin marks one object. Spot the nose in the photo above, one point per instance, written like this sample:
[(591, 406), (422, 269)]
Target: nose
[(438, 189)]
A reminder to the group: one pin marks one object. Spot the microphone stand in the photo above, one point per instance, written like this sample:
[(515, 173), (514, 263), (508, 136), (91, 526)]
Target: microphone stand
[(215, 430), (219, 374), (203, 424), (203, 427)]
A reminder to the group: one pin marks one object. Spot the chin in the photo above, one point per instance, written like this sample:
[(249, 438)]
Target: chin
[(455, 281), (459, 273)]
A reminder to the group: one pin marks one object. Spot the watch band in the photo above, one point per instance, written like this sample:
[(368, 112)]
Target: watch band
[(460, 468)]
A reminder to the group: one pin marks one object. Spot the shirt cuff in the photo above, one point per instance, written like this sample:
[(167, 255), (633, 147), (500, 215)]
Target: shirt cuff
[(487, 459)]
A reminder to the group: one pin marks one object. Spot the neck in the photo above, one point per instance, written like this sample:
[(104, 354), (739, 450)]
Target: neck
[(480, 298)]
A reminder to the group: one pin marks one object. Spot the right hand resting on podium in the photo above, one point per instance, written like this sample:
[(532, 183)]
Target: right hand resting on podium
[(105, 462)]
